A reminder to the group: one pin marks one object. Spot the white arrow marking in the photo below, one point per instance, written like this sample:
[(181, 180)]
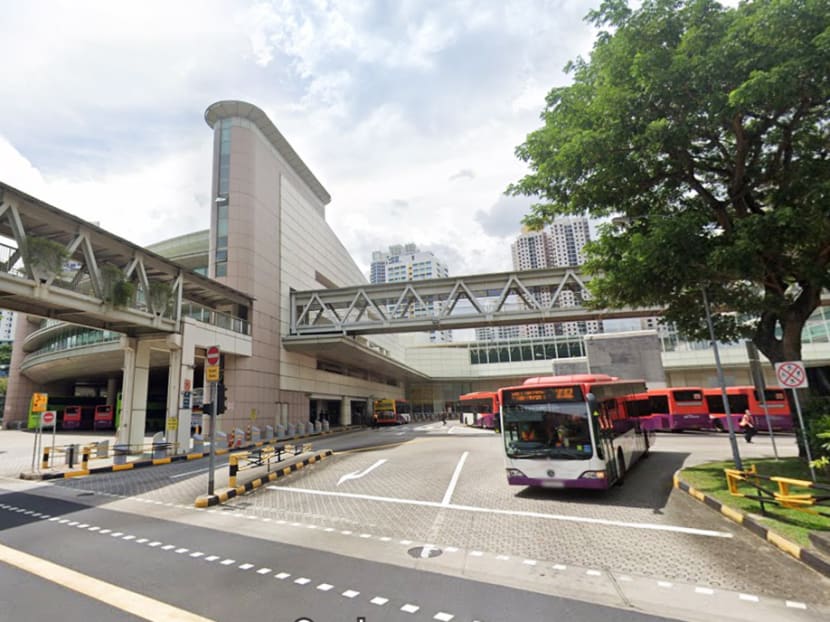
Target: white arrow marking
[(426, 550), (357, 474)]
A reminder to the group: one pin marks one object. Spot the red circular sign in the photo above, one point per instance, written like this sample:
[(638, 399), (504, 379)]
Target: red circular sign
[(48, 417), (213, 355)]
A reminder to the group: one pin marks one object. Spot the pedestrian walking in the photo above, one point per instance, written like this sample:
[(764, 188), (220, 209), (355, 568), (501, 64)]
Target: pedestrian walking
[(748, 427)]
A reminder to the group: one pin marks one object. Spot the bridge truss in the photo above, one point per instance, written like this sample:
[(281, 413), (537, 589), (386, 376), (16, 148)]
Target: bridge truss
[(497, 299)]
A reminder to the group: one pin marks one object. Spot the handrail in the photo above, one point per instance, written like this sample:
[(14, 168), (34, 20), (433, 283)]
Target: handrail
[(782, 494)]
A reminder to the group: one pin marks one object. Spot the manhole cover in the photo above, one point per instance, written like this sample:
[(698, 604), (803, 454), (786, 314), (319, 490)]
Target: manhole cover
[(424, 552)]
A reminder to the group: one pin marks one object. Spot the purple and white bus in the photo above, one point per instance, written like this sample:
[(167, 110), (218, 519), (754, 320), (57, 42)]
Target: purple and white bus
[(571, 431)]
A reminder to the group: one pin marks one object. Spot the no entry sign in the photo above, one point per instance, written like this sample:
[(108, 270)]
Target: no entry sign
[(213, 355), (791, 374)]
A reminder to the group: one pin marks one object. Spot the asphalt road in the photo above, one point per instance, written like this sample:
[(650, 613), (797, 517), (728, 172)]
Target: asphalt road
[(416, 522)]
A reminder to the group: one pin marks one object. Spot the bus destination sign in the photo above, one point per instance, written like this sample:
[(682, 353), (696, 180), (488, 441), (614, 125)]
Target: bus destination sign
[(549, 394)]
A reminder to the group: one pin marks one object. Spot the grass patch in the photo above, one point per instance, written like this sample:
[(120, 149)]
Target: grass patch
[(795, 525)]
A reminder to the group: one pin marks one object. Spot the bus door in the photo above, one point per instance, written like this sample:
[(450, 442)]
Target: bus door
[(603, 430), (71, 418), (103, 417)]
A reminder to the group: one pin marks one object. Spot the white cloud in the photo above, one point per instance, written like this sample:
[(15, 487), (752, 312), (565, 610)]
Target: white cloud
[(408, 112)]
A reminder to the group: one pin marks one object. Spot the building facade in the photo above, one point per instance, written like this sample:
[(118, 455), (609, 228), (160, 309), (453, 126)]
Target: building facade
[(405, 262)]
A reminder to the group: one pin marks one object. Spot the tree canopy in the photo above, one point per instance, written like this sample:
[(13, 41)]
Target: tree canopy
[(703, 133)]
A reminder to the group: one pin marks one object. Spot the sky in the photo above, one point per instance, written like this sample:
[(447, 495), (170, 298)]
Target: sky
[(407, 111)]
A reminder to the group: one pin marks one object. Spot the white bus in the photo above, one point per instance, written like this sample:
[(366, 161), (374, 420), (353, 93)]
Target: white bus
[(571, 431)]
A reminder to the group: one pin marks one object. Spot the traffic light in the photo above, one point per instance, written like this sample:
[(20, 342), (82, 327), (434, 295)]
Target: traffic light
[(221, 405)]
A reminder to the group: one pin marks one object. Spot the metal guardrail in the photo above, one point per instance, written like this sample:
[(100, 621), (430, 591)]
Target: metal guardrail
[(780, 491)]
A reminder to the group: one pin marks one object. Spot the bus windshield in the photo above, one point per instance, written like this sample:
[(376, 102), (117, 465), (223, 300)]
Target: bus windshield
[(556, 430)]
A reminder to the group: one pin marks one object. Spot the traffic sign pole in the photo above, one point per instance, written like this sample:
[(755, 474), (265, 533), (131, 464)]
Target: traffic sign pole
[(213, 361), (791, 374), (212, 438)]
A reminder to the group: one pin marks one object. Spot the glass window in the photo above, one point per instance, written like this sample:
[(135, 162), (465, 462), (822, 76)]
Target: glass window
[(221, 269)]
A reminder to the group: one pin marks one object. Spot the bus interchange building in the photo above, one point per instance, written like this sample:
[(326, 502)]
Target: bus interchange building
[(128, 326)]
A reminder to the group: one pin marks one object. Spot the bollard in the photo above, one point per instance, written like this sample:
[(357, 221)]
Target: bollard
[(44, 463), (280, 431), (255, 434), (198, 444), (119, 454), (326, 426), (159, 446), (291, 430), (71, 455), (233, 469), (269, 432), (87, 450), (238, 437)]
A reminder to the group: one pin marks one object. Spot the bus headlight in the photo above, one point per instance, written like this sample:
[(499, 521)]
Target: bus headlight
[(515, 473), (592, 475)]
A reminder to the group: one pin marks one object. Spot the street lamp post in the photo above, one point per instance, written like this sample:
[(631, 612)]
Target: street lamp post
[(736, 456)]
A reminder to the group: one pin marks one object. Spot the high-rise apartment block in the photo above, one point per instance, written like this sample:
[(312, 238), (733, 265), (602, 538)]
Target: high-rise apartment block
[(405, 262), (558, 245), (7, 321)]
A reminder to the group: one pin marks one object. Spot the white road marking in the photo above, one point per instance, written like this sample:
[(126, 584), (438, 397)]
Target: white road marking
[(749, 597), (795, 604), (443, 617), (454, 481), (704, 590), (263, 571), (350, 593), (117, 597), (325, 587), (469, 508), (379, 600), (359, 474), (188, 473), (407, 608)]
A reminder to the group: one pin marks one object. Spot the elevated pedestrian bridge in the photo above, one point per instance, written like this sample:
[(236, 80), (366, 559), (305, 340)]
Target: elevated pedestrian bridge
[(57, 266), (496, 299)]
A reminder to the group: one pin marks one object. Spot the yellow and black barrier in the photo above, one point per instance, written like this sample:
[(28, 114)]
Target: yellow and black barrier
[(778, 490), (136, 464), (222, 496)]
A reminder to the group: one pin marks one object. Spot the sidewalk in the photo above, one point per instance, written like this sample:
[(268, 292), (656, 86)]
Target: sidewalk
[(20, 460)]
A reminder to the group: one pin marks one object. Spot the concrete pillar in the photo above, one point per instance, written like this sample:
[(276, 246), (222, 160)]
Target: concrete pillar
[(284, 414), (112, 392), (180, 377), (345, 411), (134, 398)]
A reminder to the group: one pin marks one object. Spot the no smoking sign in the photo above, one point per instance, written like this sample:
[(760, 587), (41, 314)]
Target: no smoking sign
[(791, 374)]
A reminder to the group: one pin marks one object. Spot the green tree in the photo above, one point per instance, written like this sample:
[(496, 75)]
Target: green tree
[(706, 132)]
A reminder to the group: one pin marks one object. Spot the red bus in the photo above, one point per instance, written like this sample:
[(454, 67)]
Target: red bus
[(570, 431), (71, 418), (479, 409), (672, 409), (102, 420), (743, 398)]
